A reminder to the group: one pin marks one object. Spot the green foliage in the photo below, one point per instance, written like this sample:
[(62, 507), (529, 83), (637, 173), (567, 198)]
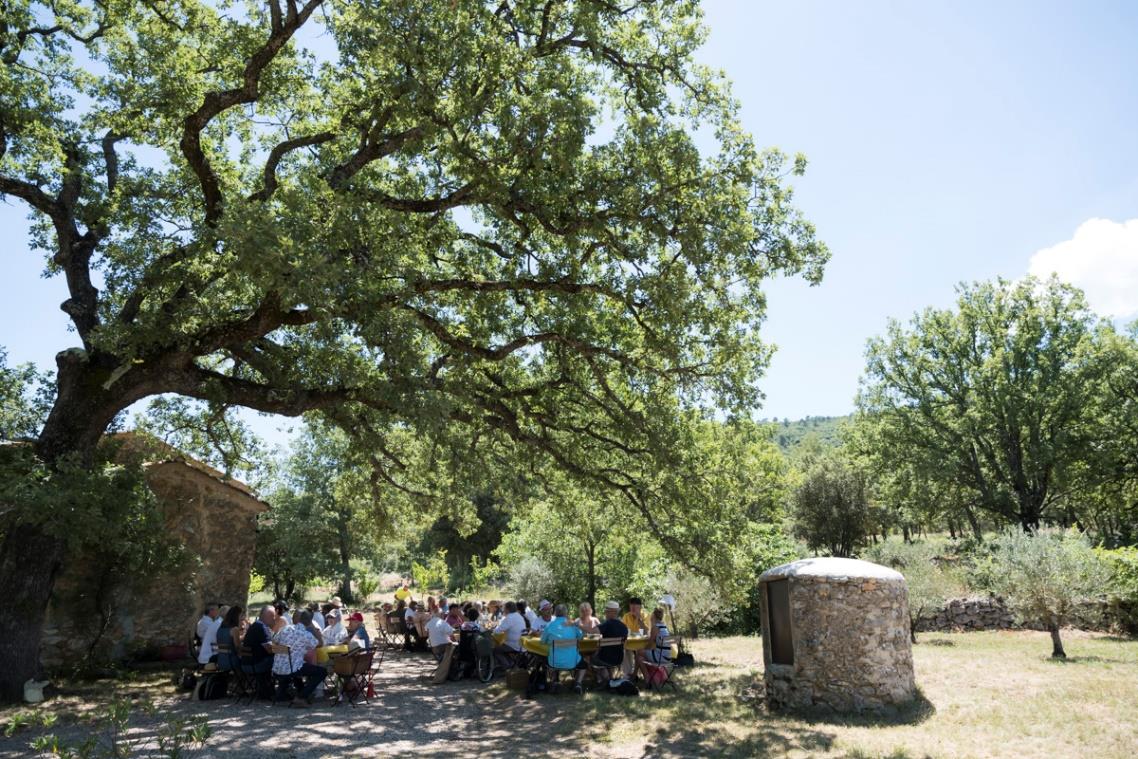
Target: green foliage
[(366, 586), (1122, 588), (461, 233), (256, 583), (326, 514), (815, 431), (176, 737), (930, 580), (485, 575), (211, 433), (759, 547), (531, 580), (108, 518), (1045, 575), (434, 574), (296, 545), (831, 507), (467, 537), (997, 404), (24, 399), (28, 718)]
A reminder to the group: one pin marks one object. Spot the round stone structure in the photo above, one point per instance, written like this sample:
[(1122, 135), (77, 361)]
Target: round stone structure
[(836, 633)]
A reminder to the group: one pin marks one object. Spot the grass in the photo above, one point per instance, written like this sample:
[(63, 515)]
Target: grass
[(982, 694)]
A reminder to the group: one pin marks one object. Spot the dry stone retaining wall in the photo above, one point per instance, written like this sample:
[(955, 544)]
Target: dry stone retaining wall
[(991, 613)]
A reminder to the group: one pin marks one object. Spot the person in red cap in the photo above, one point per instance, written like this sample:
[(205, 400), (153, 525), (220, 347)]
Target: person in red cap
[(357, 633)]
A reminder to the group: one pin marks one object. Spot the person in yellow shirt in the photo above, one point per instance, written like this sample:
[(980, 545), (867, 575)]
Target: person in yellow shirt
[(403, 594), (634, 620)]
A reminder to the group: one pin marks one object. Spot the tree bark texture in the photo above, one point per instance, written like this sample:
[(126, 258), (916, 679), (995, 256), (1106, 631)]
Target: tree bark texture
[(30, 558), (29, 564), (1057, 651), (345, 540)]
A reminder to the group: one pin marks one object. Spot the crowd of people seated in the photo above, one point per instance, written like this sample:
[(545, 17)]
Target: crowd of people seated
[(281, 643), (438, 624), (224, 632)]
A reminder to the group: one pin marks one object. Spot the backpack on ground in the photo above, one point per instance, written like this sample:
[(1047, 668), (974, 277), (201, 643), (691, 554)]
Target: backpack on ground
[(187, 681), (536, 682), (623, 687), (212, 687)]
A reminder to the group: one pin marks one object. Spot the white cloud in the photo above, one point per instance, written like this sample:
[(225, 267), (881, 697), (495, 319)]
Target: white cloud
[(1102, 259)]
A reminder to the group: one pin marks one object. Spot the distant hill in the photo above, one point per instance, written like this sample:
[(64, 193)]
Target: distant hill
[(789, 434)]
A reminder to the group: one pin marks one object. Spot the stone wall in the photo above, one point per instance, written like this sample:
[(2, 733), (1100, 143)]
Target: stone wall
[(991, 613), (968, 614), (850, 640), (214, 519)]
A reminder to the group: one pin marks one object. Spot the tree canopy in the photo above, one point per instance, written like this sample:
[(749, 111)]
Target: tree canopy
[(486, 223), (999, 405)]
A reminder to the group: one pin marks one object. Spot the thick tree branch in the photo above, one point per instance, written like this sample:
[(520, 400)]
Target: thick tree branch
[(217, 102), (278, 152)]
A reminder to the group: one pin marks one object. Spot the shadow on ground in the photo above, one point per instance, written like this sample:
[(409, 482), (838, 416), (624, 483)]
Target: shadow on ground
[(708, 716)]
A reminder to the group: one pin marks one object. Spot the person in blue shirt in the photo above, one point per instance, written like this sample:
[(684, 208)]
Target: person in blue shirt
[(559, 628), (357, 633)]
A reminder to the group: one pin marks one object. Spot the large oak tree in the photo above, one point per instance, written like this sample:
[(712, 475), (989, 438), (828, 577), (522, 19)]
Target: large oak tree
[(485, 222), (1000, 405)]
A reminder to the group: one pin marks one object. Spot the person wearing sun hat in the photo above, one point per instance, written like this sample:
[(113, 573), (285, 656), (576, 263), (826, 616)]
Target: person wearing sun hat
[(612, 657), (544, 616)]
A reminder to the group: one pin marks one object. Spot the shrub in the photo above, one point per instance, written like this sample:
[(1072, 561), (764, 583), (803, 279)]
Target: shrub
[(531, 579), (433, 574), (831, 508), (366, 585), (1044, 575), (1122, 587)]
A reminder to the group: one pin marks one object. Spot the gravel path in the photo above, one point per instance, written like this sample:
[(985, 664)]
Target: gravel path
[(409, 714)]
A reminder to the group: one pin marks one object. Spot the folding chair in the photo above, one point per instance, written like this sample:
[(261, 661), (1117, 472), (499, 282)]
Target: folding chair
[(355, 673), (397, 627), (596, 668), (245, 677), (381, 639), (556, 671), (279, 680), (665, 667)]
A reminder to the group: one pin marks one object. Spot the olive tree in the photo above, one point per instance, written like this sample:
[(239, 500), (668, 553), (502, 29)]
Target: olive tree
[(1044, 576), (486, 222)]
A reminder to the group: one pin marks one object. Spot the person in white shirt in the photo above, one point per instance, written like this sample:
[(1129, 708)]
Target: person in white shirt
[(545, 616), (210, 614), (514, 626), (334, 633), (527, 612), (438, 634), (208, 650), (317, 616)]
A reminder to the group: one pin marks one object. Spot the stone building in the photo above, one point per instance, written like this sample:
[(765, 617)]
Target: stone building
[(112, 619), (836, 633)]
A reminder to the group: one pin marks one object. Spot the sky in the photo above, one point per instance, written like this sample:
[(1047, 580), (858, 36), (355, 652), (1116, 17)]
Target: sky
[(948, 142)]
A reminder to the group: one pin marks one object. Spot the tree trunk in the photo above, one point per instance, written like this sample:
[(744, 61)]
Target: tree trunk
[(28, 567), (905, 534), (30, 557), (345, 539), (912, 629), (591, 555), (1057, 651), (974, 523)]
